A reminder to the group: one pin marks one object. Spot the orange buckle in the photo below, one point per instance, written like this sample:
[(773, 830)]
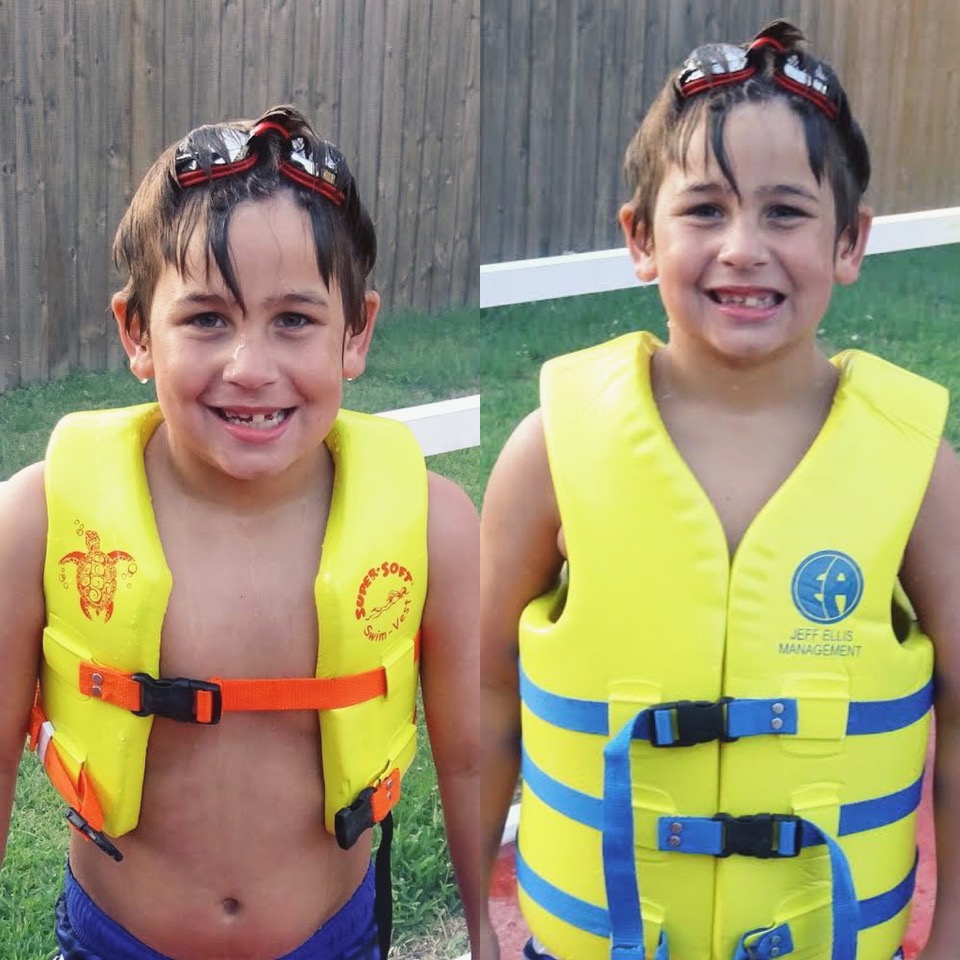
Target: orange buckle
[(189, 701)]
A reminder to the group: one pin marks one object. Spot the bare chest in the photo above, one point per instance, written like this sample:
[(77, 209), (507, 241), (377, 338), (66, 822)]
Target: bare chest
[(740, 463), (242, 602)]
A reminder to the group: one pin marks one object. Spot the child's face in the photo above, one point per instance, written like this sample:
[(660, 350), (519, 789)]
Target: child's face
[(747, 277), (250, 393)]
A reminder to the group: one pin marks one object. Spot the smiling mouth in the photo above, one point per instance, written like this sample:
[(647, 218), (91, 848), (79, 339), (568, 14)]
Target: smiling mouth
[(760, 301), (259, 421)]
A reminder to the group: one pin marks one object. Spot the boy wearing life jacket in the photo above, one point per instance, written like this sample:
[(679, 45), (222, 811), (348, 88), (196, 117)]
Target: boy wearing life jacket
[(167, 557), (719, 722)]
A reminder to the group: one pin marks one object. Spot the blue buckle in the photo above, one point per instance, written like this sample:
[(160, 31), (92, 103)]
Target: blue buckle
[(761, 835), (684, 723)]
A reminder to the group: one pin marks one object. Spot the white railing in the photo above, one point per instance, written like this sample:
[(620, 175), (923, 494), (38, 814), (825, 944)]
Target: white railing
[(443, 426), (574, 274)]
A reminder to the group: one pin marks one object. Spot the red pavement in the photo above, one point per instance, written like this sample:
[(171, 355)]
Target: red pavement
[(513, 932)]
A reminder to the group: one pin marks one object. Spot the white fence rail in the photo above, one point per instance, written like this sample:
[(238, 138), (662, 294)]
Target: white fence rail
[(574, 274)]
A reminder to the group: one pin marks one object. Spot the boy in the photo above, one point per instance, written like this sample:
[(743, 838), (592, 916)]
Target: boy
[(720, 713), (168, 555)]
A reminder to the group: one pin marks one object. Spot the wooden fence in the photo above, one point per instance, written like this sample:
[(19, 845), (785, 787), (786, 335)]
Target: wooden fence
[(92, 90), (564, 81)]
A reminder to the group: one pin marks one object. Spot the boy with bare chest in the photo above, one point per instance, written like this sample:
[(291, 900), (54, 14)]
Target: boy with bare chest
[(212, 575), (695, 641)]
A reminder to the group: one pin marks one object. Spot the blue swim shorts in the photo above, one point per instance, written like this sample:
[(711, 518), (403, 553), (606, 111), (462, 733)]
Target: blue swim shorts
[(534, 950), (85, 932)]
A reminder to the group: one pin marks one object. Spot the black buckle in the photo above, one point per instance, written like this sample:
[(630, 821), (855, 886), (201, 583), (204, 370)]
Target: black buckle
[(175, 699), (80, 824), (757, 835), (695, 721), (350, 823)]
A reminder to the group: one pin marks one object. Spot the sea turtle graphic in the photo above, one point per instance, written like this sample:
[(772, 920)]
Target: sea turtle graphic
[(97, 576)]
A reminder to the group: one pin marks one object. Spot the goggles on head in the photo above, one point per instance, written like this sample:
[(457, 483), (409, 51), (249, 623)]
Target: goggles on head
[(323, 169), (718, 64)]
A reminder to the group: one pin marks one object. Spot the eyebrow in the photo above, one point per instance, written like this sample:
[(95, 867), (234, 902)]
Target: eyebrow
[(701, 187), (202, 299)]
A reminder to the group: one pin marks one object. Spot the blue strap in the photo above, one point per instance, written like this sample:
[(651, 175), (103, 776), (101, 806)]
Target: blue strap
[(883, 716), (619, 863), (885, 906), (753, 719), (572, 803), (570, 909), (773, 942), (870, 814), (570, 713)]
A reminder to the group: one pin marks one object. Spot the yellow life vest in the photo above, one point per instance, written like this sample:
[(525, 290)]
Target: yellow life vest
[(107, 587), (773, 812)]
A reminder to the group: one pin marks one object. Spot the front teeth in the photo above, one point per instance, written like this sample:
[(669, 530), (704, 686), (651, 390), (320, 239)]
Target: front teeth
[(260, 421), (747, 301)]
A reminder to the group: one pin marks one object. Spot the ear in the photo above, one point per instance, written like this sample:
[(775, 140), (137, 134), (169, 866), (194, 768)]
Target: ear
[(356, 345), (640, 244), (135, 340), (849, 255)]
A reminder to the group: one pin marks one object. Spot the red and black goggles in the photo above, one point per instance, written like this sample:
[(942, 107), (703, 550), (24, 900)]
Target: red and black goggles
[(321, 167), (718, 64)]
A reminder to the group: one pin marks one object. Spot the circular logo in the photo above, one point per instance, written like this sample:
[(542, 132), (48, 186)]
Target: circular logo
[(827, 586)]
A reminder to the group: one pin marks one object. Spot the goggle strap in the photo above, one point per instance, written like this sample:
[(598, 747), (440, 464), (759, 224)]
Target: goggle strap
[(801, 89), (191, 178), (767, 42), (265, 125), (309, 180), (716, 80)]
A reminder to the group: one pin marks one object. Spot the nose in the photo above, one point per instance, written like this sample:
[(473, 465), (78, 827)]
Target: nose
[(251, 363), (743, 245)]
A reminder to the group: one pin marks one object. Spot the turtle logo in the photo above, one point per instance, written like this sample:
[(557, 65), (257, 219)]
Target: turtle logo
[(96, 575), (827, 586)]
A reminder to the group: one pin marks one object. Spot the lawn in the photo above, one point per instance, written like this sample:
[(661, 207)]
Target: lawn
[(415, 359)]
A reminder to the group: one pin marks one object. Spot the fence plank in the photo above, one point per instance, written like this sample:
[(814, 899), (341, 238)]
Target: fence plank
[(494, 92), (31, 229), (464, 277), (414, 112), (9, 260), (391, 136)]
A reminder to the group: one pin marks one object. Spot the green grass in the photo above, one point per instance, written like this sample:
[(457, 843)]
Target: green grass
[(415, 359), (905, 307)]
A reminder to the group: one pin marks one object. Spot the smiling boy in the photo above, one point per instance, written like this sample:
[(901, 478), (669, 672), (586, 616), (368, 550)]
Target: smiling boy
[(194, 569), (696, 785)]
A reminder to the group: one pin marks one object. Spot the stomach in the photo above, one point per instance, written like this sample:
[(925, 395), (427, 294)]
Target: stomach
[(230, 858)]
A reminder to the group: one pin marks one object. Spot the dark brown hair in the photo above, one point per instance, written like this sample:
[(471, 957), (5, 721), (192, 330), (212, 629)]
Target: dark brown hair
[(163, 216), (835, 147)]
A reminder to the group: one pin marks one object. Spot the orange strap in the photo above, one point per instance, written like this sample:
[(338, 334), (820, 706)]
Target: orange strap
[(81, 796), (232, 695), (385, 795)]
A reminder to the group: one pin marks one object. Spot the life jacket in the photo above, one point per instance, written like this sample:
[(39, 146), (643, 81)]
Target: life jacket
[(723, 759), (107, 587)]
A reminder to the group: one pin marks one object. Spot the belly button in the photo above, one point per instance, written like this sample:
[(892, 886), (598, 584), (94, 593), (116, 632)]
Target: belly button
[(231, 907)]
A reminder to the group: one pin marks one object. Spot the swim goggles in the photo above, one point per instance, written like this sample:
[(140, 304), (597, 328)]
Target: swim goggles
[(718, 64), (322, 168)]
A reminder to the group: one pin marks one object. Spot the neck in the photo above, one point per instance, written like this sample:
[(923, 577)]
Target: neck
[(216, 492), (690, 371)]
